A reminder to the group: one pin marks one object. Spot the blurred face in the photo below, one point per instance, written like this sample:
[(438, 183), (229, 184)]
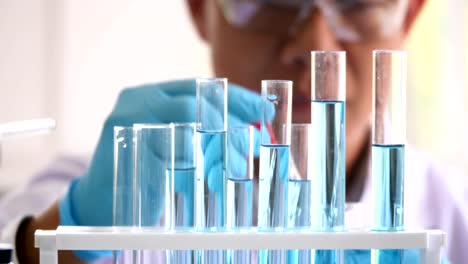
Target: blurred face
[(247, 55)]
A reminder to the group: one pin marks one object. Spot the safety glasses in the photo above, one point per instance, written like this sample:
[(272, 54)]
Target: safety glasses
[(351, 20)]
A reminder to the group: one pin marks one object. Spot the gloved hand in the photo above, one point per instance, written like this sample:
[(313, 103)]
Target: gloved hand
[(237, 149), (88, 200)]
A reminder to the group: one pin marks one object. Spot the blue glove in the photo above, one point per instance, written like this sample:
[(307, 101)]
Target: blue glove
[(236, 149), (88, 200)]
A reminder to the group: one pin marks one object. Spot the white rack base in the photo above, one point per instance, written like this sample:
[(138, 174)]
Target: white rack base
[(429, 242)]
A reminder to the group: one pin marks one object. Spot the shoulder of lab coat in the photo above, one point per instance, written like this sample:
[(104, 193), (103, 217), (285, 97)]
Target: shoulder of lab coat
[(40, 192), (436, 197), (42, 189)]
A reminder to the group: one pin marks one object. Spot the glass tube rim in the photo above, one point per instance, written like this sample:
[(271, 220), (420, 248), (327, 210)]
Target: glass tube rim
[(185, 124), (211, 79), (328, 52), (212, 87), (140, 126), (276, 81), (300, 125), (390, 51)]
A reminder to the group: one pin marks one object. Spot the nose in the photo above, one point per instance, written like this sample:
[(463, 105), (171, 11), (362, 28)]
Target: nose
[(313, 34)]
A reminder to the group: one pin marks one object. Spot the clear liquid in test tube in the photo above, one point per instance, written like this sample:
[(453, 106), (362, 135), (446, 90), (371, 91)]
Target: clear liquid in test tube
[(300, 187), (240, 144), (184, 185), (211, 162), (274, 163), (328, 81), (388, 147)]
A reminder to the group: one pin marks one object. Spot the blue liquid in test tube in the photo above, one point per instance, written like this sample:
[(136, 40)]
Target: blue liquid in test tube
[(329, 147), (329, 171), (214, 175), (388, 147), (184, 197), (388, 161), (299, 217), (274, 163), (240, 144), (184, 185), (330, 162), (273, 196), (211, 188), (300, 188), (184, 201), (240, 208), (273, 186), (211, 162)]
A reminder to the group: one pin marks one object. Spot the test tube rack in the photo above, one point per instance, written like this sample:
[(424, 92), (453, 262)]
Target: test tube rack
[(429, 242)]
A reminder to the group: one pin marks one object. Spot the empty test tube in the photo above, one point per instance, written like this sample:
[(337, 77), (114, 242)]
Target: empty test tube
[(154, 183), (123, 187)]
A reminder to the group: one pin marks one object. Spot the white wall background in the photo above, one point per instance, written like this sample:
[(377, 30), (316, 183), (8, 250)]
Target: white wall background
[(68, 59), (22, 84)]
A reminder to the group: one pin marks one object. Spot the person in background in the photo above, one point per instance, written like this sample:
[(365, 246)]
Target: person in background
[(252, 40)]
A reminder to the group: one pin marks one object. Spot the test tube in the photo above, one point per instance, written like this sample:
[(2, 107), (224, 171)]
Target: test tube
[(328, 83), (184, 184), (123, 187), (274, 162), (388, 146), (300, 186), (240, 144), (154, 182), (211, 161)]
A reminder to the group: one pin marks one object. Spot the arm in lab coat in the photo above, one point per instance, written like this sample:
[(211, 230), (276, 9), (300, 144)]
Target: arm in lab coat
[(37, 199), (448, 195)]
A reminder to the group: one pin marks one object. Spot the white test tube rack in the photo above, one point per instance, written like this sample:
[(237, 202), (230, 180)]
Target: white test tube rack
[(49, 242)]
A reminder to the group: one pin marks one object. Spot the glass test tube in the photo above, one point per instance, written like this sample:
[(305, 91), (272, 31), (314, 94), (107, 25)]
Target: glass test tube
[(299, 185), (388, 146), (184, 184), (328, 82), (211, 161), (123, 187), (240, 144), (154, 182), (274, 162)]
